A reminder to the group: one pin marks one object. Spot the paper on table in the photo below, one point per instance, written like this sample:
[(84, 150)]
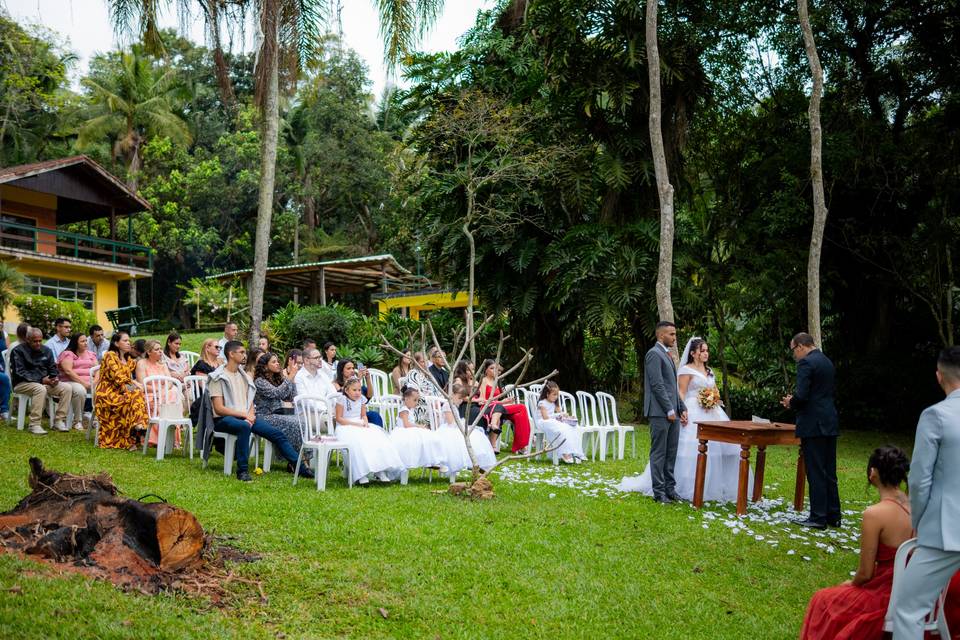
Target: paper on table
[(759, 420)]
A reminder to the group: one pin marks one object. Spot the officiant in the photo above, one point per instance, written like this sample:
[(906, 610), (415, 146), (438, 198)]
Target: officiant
[(817, 428)]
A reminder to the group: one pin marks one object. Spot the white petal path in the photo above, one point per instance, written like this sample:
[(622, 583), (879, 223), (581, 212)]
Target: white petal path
[(767, 521)]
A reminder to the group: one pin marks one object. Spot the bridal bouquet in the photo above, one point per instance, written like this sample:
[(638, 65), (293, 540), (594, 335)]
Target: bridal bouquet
[(709, 397)]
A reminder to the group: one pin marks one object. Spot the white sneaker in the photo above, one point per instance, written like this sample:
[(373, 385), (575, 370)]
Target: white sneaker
[(37, 430), (61, 426), (382, 476), (5, 415), (79, 427)]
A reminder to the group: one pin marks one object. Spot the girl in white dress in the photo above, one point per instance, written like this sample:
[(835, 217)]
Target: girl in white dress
[(556, 425), (417, 445), (455, 448), (723, 459), (371, 451)]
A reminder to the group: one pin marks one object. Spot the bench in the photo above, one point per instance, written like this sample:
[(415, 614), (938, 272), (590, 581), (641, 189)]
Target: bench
[(129, 319)]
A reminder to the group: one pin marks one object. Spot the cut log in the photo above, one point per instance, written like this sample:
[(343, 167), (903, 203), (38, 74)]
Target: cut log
[(82, 519)]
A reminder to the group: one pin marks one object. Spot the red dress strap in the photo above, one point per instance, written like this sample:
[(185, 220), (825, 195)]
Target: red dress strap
[(897, 502)]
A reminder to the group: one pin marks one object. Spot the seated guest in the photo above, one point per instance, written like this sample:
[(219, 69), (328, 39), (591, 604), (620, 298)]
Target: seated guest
[(230, 332), (252, 356), (98, 342), (5, 387), (121, 408), (307, 344), (209, 358), (292, 364), (33, 372), (273, 390), (61, 337), (173, 404), (463, 375), (372, 454), (856, 608), (438, 367), (232, 394), (310, 380), (75, 364), (482, 449), (417, 445), (401, 371), (176, 362), (347, 369), (263, 343), (328, 360), (516, 413), (423, 382), (138, 348), (21, 334), (555, 429)]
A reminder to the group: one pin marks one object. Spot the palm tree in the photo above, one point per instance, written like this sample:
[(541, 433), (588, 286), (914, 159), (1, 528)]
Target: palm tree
[(289, 32), (11, 286), (134, 104)]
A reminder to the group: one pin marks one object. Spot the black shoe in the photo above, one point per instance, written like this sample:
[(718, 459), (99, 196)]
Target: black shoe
[(810, 524), (663, 500), (675, 497), (836, 524), (244, 476), (304, 471)]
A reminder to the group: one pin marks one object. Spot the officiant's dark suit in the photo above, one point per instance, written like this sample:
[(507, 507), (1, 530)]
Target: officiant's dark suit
[(817, 428)]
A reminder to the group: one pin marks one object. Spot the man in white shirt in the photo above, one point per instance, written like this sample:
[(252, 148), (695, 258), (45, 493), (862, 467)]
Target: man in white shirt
[(59, 341), (230, 332), (98, 342), (310, 379)]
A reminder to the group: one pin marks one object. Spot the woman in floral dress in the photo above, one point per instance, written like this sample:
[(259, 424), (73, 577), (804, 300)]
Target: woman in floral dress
[(121, 407)]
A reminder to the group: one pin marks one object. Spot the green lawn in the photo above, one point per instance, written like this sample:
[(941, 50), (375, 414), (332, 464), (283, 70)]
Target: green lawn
[(188, 341), (539, 561)]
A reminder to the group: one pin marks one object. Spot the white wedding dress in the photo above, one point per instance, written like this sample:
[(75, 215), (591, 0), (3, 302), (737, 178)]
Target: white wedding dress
[(723, 460)]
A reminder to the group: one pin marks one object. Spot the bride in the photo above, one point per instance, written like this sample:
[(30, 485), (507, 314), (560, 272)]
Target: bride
[(723, 460)]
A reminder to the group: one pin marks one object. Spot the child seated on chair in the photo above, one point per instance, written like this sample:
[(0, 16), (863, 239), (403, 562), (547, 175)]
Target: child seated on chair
[(416, 443), (856, 608), (558, 427), (372, 453)]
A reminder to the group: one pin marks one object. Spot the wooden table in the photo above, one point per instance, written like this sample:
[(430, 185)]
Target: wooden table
[(747, 434)]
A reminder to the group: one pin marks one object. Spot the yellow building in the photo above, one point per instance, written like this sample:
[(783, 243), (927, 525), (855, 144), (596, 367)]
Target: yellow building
[(412, 303), (36, 199)]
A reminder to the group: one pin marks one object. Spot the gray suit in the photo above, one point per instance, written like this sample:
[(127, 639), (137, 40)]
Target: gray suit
[(660, 398), (935, 509)]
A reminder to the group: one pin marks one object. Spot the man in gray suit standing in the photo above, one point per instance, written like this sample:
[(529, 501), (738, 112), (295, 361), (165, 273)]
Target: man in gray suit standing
[(934, 503), (664, 407)]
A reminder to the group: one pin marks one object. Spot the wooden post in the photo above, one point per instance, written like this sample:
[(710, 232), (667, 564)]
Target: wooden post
[(383, 276), (743, 480), (700, 475), (229, 301), (323, 287), (758, 473), (113, 223)]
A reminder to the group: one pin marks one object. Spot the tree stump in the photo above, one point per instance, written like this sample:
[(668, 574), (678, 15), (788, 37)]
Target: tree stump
[(82, 520)]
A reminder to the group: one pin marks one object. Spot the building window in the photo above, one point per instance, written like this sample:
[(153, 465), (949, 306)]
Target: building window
[(64, 290)]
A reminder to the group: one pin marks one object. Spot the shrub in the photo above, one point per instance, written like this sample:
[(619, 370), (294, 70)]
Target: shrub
[(321, 324), (750, 401), (41, 312)]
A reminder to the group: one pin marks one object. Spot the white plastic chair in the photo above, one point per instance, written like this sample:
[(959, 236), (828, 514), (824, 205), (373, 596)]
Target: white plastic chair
[(158, 391), (380, 382), (590, 418), (936, 621), (435, 410), (191, 356), (608, 416), (23, 400), (314, 416), (389, 406)]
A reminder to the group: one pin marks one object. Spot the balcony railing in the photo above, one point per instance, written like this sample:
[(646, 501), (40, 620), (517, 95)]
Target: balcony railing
[(65, 244)]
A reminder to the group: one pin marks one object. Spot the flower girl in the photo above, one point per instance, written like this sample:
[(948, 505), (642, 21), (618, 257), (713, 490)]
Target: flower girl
[(455, 448), (371, 451), (417, 445), (558, 426)]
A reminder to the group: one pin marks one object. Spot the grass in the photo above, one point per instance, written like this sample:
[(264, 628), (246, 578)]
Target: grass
[(188, 341), (537, 562)]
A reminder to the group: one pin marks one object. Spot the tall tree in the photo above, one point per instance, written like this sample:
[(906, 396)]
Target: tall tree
[(134, 100), (816, 176), (664, 188)]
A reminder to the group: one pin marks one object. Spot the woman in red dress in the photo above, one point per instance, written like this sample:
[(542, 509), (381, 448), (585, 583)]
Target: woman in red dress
[(515, 413), (855, 610)]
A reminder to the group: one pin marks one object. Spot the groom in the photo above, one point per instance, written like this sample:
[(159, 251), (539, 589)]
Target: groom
[(817, 428), (665, 409)]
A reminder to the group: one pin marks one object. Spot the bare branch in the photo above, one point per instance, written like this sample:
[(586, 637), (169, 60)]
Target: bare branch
[(520, 456)]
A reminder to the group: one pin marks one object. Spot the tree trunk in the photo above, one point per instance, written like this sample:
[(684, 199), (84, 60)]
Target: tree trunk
[(268, 170), (664, 188), (816, 176), (82, 520)]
